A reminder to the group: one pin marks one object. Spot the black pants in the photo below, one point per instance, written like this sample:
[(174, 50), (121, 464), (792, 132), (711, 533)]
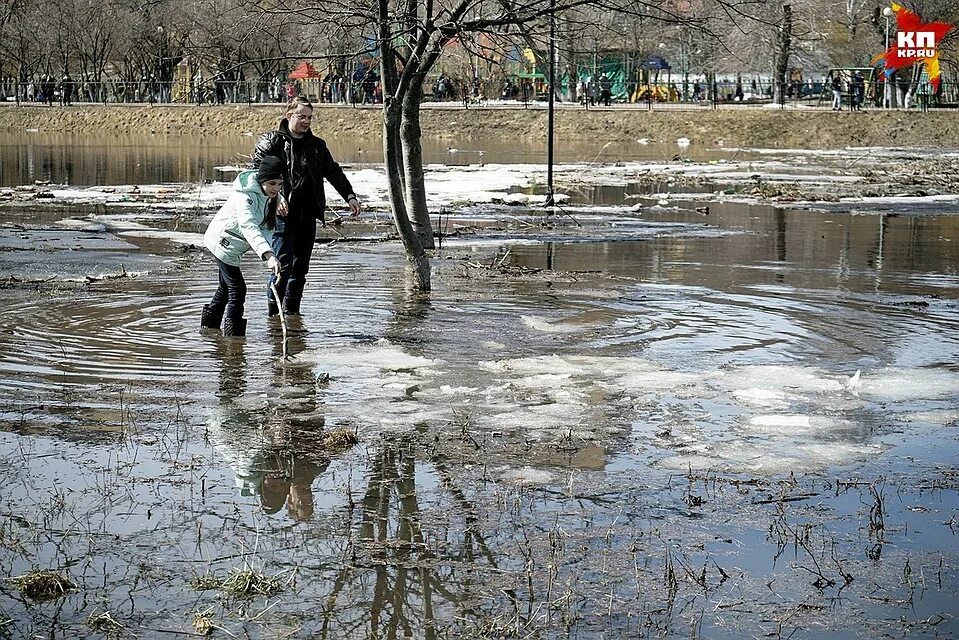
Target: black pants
[(293, 246), (230, 295)]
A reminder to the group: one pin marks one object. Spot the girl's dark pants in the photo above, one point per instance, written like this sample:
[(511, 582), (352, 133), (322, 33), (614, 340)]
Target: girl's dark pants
[(230, 295), (293, 246)]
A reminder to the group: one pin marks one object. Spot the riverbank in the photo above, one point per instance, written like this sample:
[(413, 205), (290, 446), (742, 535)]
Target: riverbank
[(744, 126)]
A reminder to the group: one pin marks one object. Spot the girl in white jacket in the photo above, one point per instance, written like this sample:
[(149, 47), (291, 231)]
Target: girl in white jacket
[(246, 221)]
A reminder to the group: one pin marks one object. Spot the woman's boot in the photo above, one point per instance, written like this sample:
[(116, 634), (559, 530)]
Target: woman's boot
[(234, 327), (211, 317)]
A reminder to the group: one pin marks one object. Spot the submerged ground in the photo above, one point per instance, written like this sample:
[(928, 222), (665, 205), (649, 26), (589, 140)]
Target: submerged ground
[(672, 408)]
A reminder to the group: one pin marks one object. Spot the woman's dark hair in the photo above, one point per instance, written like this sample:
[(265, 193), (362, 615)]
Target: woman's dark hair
[(270, 219)]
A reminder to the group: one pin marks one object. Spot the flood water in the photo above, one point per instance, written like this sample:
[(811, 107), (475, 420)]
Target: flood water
[(157, 159), (736, 425)]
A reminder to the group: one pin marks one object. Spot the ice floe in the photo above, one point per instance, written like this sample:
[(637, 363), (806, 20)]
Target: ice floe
[(754, 418)]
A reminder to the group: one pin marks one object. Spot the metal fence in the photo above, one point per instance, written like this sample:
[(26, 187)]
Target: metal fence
[(652, 96), (731, 94)]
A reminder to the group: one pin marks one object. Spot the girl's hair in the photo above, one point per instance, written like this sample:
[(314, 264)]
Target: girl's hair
[(297, 102), (270, 219)]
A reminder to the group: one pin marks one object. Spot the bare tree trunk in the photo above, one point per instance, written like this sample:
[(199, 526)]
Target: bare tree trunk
[(782, 55), (393, 153), (415, 187), (852, 15)]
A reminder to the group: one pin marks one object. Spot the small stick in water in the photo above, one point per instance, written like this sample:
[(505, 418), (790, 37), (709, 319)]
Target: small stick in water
[(279, 305)]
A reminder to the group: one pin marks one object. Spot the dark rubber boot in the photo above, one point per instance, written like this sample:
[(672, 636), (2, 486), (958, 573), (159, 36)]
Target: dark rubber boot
[(210, 317), (234, 327), (272, 309)]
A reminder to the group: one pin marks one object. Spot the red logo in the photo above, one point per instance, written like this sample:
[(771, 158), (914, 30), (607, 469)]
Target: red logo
[(916, 41)]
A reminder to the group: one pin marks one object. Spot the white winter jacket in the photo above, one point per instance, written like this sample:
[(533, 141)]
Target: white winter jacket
[(240, 224)]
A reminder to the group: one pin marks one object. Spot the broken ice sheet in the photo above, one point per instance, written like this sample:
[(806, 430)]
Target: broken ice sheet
[(753, 418)]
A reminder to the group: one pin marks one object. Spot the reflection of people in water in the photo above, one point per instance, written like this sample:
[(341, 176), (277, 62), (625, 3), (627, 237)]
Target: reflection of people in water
[(274, 449), (232, 382), (290, 481)]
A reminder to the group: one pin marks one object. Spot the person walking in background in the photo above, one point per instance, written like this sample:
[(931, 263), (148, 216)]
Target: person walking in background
[(308, 163), (219, 88), (858, 90), (369, 86), (47, 84), (605, 89), (245, 221), (198, 88), (697, 92), (439, 89), (66, 90), (836, 85)]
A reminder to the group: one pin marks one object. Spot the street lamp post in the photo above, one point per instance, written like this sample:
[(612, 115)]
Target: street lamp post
[(684, 63), (551, 107), (159, 71), (888, 84)]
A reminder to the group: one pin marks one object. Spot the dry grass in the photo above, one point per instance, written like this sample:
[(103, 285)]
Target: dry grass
[(206, 582), (203, 622), (337, 441), (239, 583), (42, 585), (735, 126), (103, 622), (251, 583)]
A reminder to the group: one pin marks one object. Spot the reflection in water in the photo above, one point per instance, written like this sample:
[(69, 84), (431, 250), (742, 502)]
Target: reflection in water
[(275, 448), (232, 374), (116, 160), (480, 508), (800, 286), (404, 574), (410, 311)]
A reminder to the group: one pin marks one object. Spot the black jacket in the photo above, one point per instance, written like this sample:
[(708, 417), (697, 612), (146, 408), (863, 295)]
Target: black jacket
[(319, 163)]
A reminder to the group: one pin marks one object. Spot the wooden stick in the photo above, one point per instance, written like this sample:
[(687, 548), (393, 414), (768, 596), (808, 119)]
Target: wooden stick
[(279, 305)]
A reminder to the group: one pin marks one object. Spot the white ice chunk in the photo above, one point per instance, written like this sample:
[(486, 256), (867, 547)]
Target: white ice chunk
[(757, 396), (779, 377), (910, 384), (379, 355), (528, 476), (547, 326)]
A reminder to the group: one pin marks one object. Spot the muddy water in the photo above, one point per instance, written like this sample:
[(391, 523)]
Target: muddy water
[(657, 435), (153, 159)]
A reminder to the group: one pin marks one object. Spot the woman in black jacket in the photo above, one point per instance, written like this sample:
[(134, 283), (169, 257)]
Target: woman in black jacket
[(308, 163)]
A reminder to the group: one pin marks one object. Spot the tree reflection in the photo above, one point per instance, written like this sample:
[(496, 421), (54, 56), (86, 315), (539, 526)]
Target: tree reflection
[(410, 309), (416, 579)]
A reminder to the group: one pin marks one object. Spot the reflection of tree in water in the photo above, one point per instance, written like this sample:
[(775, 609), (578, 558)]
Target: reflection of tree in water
[(406, 325), (417, 579), (440, 549)]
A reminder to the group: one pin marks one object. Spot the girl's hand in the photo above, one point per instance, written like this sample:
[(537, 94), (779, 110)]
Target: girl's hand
[(274, 265)]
